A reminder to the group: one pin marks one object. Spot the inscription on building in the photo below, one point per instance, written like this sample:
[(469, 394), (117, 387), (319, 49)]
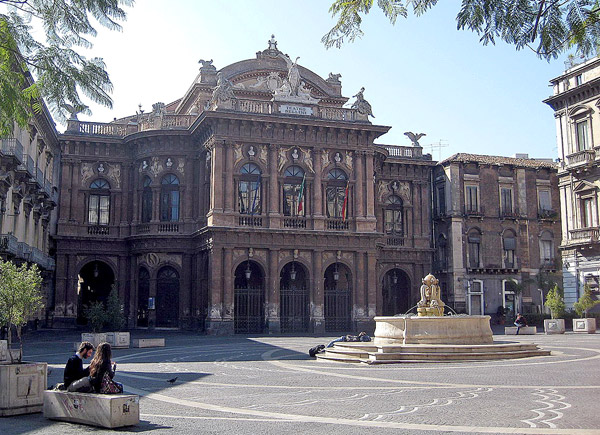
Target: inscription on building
[(295, 110)]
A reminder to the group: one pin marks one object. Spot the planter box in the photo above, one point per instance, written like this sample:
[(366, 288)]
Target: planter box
[(118, 339), (94, 337), (524, 330), (104, 410), (148, 342), (4, 350), (587, 325), (22, 387), (554, 326)]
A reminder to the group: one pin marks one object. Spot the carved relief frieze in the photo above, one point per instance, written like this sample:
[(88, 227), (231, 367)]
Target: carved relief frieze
[(282, 157), (238, 155), (153, 259), (87, 172), (348, 160), (382, 190), (263, 154), (324, 158), (155, 167), (402, 189), (307, 159), (114, 174), (181, 166)]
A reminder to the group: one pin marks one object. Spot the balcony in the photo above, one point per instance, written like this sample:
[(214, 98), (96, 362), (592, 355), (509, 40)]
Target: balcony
[(250, 221), (98, 230), (337, 224), (476, 212), (394, 241), (580, 160), (12, 148), (170, 227), (509, 213), (294, 222), (27, 166), (547, 214), (584, 236), (8, 244)]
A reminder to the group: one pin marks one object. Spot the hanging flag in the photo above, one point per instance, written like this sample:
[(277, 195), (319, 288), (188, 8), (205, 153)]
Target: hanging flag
[(345, 207), (301, 195), (255, 195)]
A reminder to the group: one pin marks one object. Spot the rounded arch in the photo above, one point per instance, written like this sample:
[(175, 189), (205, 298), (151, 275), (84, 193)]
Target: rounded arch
[(237, 169), (249, 298), (100, 183), (396, 292), (96, 279), (250, 168), (394, 201), (169, 178), (337, 174), (294, 284), (579, 110), (294, 170), (338, 297), (167, 297), (546, 234)]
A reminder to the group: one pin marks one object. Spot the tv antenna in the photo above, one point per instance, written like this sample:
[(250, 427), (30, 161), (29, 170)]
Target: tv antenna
[(442, 143)]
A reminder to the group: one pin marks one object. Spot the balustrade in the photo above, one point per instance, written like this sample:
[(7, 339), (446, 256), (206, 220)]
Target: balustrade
[(250, 221), (98, 230), (337, 224), (168, 227), (294, 222)]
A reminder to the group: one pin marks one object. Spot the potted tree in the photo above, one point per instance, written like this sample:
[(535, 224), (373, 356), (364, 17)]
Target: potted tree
[(556, 304), (21, 383), (96, 317), (585, 303), (108, 317)]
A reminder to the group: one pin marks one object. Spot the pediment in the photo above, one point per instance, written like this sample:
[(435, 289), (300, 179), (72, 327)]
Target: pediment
[(580, 110), (584, 185)]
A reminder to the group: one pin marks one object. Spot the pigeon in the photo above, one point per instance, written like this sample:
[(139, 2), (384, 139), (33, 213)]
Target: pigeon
[(49, 372), (172, 381)]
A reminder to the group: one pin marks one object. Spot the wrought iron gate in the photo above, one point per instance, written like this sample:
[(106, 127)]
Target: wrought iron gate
[(294, 309), (338, 309), (249, 310)]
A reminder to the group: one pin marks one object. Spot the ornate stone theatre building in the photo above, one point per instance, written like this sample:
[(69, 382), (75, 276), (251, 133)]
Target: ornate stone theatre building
[(256, 203)]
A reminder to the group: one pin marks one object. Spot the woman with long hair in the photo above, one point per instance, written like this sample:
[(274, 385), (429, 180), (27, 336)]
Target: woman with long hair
[(101, 372)]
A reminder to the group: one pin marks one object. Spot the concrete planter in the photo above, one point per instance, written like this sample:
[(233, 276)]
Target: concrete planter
[(4, 350), (94, 337), (587, 325), (22, 387), (554, 326), (118, 339)]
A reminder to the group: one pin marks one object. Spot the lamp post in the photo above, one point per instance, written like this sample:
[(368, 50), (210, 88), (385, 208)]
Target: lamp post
[(248, 272), (336, 273), (293, 272)]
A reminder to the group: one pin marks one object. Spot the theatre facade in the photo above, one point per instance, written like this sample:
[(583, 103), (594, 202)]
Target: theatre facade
[(256, 203)]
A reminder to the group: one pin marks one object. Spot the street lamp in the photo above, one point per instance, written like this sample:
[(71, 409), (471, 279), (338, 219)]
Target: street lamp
[(96, 272), (395, 277), (293, 273), (336, 273), (248, 271)]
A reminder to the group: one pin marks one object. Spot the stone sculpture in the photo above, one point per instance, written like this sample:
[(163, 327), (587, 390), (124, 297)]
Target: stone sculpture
[(414, 138), (361, 105), (223, 95), (431, 303)]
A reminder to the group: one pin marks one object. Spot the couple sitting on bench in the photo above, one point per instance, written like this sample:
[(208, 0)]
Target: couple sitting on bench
[(97, 377)]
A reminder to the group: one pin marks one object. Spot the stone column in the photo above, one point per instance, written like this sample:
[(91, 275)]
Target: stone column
[(71, 293), (133, 291), (215, 323), (374, 292), (317, 295), (216, 180), (185, 321), (152, 294), (360, 210), (272, 294), (65, 187), (62, 270), (370, 182), (135, 194), (229, 187), (274, 215), (319, 223), (228, 290), (360, 303)]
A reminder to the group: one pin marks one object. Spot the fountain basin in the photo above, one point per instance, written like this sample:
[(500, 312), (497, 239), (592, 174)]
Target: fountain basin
[(399, 330)]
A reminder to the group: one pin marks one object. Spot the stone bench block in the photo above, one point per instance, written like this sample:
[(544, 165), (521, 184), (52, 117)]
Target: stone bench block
[(3, 350), (104, 410), (118, 339), (525, 330), (148, 342)]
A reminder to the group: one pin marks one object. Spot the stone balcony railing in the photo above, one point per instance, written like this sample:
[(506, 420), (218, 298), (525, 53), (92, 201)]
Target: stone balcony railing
[(12, 147), (580, 159), (584, 236), (403, 152)]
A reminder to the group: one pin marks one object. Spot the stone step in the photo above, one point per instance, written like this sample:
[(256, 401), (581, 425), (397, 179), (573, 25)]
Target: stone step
[(342, 358), (424, 348), (399, 357)]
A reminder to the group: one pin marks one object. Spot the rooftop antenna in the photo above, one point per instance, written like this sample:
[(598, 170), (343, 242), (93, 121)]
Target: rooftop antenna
[(442, 143)]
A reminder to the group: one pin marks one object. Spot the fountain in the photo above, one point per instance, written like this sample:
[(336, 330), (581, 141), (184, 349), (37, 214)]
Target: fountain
[(431, 336)]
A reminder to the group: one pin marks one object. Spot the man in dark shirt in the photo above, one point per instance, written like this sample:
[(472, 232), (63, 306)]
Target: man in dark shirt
[(74, 369)]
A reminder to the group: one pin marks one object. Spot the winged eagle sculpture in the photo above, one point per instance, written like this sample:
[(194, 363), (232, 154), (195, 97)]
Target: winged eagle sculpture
[(414, 137)]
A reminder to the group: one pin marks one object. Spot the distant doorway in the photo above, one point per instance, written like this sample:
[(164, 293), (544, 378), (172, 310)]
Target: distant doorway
[(95, 282), (395, 292), (338, 298), (167, 298), (294, 298), (249, 299)]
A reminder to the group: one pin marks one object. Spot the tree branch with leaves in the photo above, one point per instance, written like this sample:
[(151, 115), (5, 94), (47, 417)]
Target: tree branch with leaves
[(547, 27), (62, 74)]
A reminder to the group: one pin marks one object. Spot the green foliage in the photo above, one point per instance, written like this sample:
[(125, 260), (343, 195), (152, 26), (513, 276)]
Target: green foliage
[(63, 75), (20, 296), (555, 302), (546, 27), (585, 303), (115, 318), (96, 316)]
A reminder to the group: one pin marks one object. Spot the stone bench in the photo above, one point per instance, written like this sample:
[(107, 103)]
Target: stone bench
[(148, 342), (525, 330), (104, 410)]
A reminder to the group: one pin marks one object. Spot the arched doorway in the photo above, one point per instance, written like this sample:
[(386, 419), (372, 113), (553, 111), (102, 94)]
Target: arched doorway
[(395, 292), (167, 298), (249, 299), (338, 298), (95, 282), (143, 294), (294, 299)]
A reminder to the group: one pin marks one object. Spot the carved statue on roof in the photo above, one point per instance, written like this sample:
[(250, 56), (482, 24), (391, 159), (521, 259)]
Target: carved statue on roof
[(414, 138), (361, 105), (334, 78), (206, 64), (223, 95), (293, 77), (272, 43)]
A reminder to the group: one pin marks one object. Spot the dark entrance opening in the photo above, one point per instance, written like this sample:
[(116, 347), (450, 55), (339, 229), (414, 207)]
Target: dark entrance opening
[(396, 292), (338, 298), (95, 282), (294, 298), (249, 299), (143, 294), (167, 298)]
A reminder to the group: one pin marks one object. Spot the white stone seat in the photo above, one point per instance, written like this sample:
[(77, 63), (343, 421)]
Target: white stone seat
[(104, 410), (525, 330), (148, 342)]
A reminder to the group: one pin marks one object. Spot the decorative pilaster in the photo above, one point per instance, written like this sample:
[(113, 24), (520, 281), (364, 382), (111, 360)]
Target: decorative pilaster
[(317, 295), (272, 296)]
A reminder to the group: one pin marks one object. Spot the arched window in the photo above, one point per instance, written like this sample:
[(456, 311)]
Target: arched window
[(509, 244), (294, 192), (147, 200), (249, 189), (474, 241), (337, 194), (169, 198), (99, 203), (547, 249), (393, 216)]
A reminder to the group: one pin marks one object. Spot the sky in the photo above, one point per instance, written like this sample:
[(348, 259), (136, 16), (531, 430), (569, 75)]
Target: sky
[(421, 75)]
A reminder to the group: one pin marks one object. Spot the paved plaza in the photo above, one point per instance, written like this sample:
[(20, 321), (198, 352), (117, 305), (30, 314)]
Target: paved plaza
[(268, 385)]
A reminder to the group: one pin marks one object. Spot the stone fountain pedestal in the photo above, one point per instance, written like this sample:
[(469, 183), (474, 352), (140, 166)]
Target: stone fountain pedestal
[(433, 330)]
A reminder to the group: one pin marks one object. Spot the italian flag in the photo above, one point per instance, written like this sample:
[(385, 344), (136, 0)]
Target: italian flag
[(345, 207), (301, 195)]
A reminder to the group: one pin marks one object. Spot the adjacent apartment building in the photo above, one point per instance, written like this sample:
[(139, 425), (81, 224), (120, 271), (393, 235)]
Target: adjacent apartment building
[(496, 226), (29, 179), (576, 102)]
